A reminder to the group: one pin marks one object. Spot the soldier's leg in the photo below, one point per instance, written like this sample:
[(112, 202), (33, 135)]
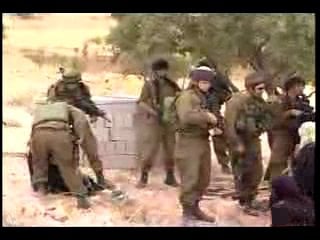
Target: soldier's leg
[(62, 152), (168, 139), (204, 181), (194, 166), (235, 160), (40, 159), (251, 172), (188, 159), (282, 149), (205, 169), (149, 144), (221, 150)]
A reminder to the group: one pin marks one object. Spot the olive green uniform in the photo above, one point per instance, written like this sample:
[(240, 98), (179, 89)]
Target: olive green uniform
[(52, 139), (152, 131), (284, 138), (192, 147), (246, 118)]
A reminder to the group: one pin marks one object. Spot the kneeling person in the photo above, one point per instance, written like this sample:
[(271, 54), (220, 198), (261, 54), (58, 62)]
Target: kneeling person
[(55, 126)]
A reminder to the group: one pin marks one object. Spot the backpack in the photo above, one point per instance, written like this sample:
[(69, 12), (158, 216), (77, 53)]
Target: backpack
[(57, 111)]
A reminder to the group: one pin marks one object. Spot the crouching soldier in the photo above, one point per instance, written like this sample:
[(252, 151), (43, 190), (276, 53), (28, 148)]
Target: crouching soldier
[(247, 117), (55, 127), (192, 150)]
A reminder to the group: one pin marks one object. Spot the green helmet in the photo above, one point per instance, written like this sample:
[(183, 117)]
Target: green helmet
[(72, 76)]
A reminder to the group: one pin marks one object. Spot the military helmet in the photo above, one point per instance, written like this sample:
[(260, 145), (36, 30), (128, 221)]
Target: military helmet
[(202, 73), (255, 79), (160, 64), (71, 75), (291, 81)]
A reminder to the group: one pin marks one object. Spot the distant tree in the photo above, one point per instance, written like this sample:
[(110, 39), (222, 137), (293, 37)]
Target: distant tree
[(276, 42)]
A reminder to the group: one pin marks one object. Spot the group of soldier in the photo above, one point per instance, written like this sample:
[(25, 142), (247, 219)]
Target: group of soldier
[(184, 120), (181, 121)]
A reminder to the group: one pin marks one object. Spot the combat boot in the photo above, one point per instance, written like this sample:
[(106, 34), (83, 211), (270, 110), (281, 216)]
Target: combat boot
[(83, 202), (170, 179), (143, 180), (200, 215)]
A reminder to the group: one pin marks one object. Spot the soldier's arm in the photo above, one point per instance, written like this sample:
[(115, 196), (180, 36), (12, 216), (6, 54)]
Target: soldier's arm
[(85, 90), (88, 106), (80, 122), (282, 116), (145, 100), (189, 111), (233, 108)]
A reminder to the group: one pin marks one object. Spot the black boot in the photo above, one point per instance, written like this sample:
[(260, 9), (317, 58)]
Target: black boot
[(143, 179), (170, 179), (83, 202)]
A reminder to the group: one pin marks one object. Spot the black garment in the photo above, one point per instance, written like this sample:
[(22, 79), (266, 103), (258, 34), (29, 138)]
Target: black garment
[(303, 169), (289, 207)]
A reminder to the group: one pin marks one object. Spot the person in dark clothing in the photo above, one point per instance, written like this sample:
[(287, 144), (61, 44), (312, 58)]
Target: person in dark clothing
[(289, 207), (303, 169)]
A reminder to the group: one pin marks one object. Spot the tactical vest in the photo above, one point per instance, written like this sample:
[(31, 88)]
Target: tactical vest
[(169, 115), (57, 111), (192, 130)]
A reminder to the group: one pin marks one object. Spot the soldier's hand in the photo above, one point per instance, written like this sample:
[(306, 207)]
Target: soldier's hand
[(212, 118)]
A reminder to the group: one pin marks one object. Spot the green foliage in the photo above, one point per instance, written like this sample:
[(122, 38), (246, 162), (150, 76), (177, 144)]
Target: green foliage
[(228, 39)]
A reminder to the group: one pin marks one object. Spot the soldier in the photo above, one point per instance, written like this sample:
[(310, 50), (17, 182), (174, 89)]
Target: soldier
[(72, 90), (247, 117), (192, 150), (52, 140), (221, 91), (154, 130), (289, 115), (75, 92)]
